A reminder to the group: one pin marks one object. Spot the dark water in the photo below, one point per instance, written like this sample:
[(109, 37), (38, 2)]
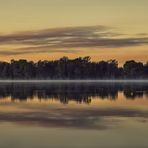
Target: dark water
[(73, 115)]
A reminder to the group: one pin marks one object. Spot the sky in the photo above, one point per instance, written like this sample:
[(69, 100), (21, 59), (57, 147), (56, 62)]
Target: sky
[(49, 29)]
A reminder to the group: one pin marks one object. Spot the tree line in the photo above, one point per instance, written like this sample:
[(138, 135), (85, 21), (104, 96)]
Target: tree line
[(78, 68)]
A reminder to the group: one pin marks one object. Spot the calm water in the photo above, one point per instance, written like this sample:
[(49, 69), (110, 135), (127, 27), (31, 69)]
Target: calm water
[(73, 115)]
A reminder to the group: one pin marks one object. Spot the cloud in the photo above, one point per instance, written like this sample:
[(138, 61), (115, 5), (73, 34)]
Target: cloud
[(30, 50), (57, 39)]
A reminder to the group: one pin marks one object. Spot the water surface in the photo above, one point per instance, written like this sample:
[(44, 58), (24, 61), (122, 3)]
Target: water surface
[(73, 115)]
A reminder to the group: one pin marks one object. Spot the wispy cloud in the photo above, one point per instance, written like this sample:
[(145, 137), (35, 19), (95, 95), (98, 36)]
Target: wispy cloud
[(57, 39)]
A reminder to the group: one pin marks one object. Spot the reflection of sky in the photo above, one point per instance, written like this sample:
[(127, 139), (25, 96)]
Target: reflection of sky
[(41, 125), (88, 116), (129, 134), (104, 122), (43, 105)]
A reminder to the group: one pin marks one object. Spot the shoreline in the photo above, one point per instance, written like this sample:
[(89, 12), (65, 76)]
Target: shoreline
[(77, 81)]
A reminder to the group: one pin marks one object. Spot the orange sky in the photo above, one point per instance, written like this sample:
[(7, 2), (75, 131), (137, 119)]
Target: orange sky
[(43, 29)]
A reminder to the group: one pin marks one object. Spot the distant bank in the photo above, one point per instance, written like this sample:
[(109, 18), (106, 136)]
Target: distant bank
[(81, 68)]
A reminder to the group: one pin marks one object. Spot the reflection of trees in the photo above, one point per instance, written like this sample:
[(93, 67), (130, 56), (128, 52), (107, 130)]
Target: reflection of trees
[(66, 92), (135, 91), (133, 94)]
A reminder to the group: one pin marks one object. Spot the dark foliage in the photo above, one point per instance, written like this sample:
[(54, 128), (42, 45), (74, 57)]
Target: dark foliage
[(79, 68)]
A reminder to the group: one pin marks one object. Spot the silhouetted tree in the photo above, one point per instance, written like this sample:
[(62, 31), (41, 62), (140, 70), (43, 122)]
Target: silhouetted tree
[(78, 68), (133, 69)]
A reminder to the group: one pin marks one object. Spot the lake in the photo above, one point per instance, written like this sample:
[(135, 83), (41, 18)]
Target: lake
[(73, 115)]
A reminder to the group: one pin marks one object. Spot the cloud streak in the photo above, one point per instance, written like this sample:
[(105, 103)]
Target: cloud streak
[(57, 39)]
